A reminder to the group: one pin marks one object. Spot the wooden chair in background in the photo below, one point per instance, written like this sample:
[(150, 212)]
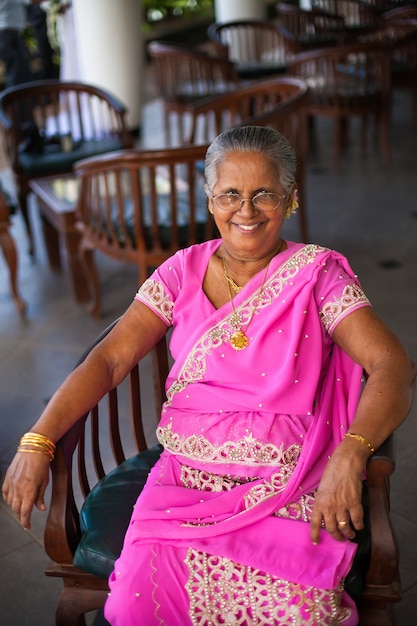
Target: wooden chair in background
[(49, 125), (307, 30), (357, 14), (280, 103), (258, 48), (400, 39), (9, 250), (140, 207), (100, 467), (347, 82), (184, 74), (409, 11)]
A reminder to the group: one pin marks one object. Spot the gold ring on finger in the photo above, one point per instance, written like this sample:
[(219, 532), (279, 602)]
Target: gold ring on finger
[(342, 524)]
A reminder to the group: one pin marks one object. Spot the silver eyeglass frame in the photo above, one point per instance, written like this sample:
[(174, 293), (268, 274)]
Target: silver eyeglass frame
[(243, 200)]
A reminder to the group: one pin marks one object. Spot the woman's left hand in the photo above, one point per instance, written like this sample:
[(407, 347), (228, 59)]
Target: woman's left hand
[(338, 501)]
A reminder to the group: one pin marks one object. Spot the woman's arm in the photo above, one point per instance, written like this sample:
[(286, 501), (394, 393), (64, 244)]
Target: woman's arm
[(136, 333), (384, 404)]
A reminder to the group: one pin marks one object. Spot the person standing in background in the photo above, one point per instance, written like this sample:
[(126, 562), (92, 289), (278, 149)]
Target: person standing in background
[(13, 52), (37, 18)]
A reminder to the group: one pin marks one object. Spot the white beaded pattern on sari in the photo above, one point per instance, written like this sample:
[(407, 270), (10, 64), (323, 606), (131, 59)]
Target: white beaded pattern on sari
[(154, 294), (248, 450), (330, 313), (224, 592), (202, 480)]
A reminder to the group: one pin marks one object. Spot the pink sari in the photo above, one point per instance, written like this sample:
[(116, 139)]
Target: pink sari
[(220, 533)]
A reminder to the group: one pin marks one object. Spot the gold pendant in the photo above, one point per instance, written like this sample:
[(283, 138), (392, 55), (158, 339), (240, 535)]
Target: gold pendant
[(239, 341)]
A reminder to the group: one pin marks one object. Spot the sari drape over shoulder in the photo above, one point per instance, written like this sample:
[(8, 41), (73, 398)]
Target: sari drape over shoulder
[(246, 437)]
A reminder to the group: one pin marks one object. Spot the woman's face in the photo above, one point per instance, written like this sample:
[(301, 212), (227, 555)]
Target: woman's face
[(248, 233)]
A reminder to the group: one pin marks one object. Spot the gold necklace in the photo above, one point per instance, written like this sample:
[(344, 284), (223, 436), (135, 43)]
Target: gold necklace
[(230, 280), (239, 339)]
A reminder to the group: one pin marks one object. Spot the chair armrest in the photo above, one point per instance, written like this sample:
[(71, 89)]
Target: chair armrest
[(383, 572), (62, 531)]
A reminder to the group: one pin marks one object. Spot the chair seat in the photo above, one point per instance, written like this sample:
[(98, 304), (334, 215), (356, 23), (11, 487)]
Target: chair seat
[(252, 70), (107, 510), (52, 158)]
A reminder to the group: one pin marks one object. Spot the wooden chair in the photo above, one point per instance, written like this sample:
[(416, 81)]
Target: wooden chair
[(359, 15), (400, 39), (308, 30), (140, 206), (400, 13), (117, 428), (346, 82), (184, 74), (101, 465), (51, 124), (280, 103), (258, 48), (9, 250)]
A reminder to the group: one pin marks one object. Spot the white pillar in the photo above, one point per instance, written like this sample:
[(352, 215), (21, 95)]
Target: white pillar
[(110, 49), (232, 10)]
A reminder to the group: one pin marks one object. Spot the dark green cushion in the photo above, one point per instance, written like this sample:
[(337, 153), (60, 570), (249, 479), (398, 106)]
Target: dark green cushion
[(53, 159), (107, 510)]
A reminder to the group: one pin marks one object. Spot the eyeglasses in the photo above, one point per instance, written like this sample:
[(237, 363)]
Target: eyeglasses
[(263, 201)]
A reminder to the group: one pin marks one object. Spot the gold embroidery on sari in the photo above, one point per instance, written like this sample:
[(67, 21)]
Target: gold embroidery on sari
[(300, 510), (202, 480), (207, 481), (194, 366), (224, 592), (352, 296), (153, 293), (247, 451)]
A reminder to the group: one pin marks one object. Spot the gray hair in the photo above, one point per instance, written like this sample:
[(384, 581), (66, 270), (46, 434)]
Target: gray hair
[(267, 141)]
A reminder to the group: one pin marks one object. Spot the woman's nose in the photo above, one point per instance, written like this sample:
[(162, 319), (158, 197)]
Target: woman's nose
[(247, 206)]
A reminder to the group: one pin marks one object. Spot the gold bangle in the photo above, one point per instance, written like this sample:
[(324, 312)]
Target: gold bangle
[(37, 438), (362, 439), (34, 442), (49, 454)]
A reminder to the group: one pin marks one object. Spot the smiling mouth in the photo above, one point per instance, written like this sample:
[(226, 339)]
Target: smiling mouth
[(248, 227)]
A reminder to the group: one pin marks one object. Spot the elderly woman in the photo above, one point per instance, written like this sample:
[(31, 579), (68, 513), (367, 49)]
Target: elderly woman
[(249, 515)]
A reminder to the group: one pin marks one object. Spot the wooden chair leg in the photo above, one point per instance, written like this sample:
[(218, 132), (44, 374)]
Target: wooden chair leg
[(377, 617), (8, 247), (22, 195), (93, 280), (73, 602)]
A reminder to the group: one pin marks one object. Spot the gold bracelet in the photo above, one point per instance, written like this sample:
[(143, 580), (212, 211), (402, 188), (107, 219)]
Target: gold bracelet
[(50, 455), (34, 442), (362, 439)]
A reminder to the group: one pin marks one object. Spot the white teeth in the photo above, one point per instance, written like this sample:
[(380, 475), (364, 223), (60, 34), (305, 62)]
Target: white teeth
[(246, 227)]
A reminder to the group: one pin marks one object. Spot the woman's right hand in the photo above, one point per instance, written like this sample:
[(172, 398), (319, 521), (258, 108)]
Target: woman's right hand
[(25, 484)]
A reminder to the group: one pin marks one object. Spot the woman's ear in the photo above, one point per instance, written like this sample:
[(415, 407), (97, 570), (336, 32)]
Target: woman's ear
[(209, 199), (292, 202)]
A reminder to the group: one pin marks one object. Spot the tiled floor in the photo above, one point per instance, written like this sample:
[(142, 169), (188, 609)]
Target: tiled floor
[(367, 211)]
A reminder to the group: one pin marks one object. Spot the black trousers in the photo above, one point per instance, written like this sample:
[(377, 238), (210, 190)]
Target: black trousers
[(37, 19), (15, 57)]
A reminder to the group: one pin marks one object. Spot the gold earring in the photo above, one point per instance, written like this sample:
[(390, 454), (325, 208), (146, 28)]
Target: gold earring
[(292, 208)]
